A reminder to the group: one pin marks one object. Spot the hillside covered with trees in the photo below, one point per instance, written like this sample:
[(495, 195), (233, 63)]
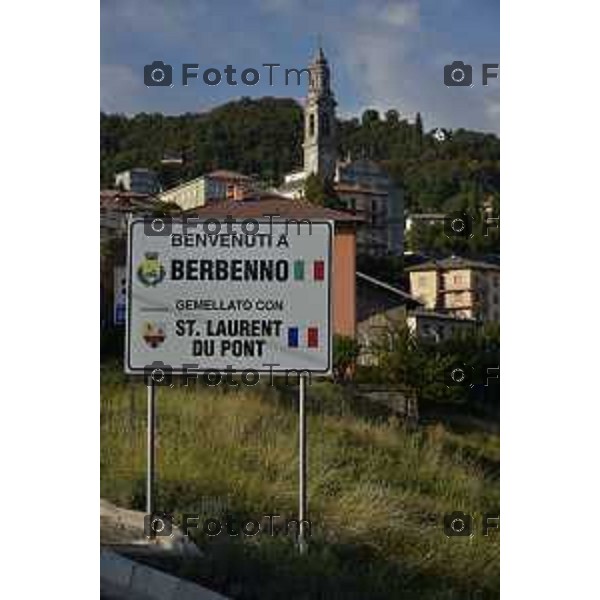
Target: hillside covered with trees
[(264, 137)]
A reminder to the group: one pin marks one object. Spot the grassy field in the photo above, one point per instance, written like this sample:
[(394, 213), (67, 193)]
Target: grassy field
[(377, 490)]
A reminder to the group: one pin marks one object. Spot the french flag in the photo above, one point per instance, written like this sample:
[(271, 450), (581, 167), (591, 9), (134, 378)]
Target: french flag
[(312, 337)]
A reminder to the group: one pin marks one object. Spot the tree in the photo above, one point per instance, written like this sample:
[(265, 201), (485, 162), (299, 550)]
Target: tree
[(264, 137), (321, 191), (345, 353), (392, 116), (314, 190), (419, 131), (370, 116), (424, 367)]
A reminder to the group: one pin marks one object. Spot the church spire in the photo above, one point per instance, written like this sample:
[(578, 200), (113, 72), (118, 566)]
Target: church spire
[(320, 56), (319, 120)]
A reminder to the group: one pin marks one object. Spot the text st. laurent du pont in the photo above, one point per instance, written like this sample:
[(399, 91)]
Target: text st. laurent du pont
[(202, 269)]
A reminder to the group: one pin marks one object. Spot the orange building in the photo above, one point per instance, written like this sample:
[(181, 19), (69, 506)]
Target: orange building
[(344, 243)]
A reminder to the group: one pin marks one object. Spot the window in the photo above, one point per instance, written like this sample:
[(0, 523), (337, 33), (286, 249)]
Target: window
[(311, 125)]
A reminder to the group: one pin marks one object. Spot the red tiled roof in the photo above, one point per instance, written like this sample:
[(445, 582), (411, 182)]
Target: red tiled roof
[(118, 200), (454, 262), (272, 204), (358, 189), (233, 175)]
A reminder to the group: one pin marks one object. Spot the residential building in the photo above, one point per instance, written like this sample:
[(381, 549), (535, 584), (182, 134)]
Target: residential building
[(437, 327), (138, 180), (117, 206), (382, 307), (196, 192), (212, 187), (459, 287), (379, 308), (344, 243), (366, 189), (237, 185)]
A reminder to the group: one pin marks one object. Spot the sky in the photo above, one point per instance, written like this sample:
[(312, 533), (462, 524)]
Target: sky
[(383, 54)]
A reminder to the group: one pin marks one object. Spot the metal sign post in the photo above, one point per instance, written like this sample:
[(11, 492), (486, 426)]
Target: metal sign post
[(302, 543), (150, 448)]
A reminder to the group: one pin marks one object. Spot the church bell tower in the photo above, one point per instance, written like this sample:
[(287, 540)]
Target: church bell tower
[(319, 121)]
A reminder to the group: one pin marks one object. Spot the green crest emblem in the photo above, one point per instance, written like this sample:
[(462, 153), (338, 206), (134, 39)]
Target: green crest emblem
[(150, 271)]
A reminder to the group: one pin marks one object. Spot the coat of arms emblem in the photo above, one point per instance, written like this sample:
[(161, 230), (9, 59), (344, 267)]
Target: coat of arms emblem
[(150, 271), (154, 334)]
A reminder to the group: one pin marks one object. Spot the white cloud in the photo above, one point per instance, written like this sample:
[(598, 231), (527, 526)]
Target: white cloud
[(386, 74), (389, 14), (400, 14)]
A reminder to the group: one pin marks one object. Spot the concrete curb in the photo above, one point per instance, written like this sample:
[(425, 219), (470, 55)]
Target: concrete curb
[(120, 575)]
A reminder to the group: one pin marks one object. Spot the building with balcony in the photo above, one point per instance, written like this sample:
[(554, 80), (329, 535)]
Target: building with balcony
[(460, 287)]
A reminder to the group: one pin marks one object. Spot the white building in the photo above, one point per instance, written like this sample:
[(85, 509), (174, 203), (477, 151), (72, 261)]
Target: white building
[(194, 193), (213, 187), (141, 181), (437, 327)]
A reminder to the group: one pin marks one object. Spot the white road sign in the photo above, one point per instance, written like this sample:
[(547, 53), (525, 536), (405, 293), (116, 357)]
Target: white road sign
[(241, 295)]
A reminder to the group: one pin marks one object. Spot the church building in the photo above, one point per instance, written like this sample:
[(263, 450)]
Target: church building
[(363, 186)]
